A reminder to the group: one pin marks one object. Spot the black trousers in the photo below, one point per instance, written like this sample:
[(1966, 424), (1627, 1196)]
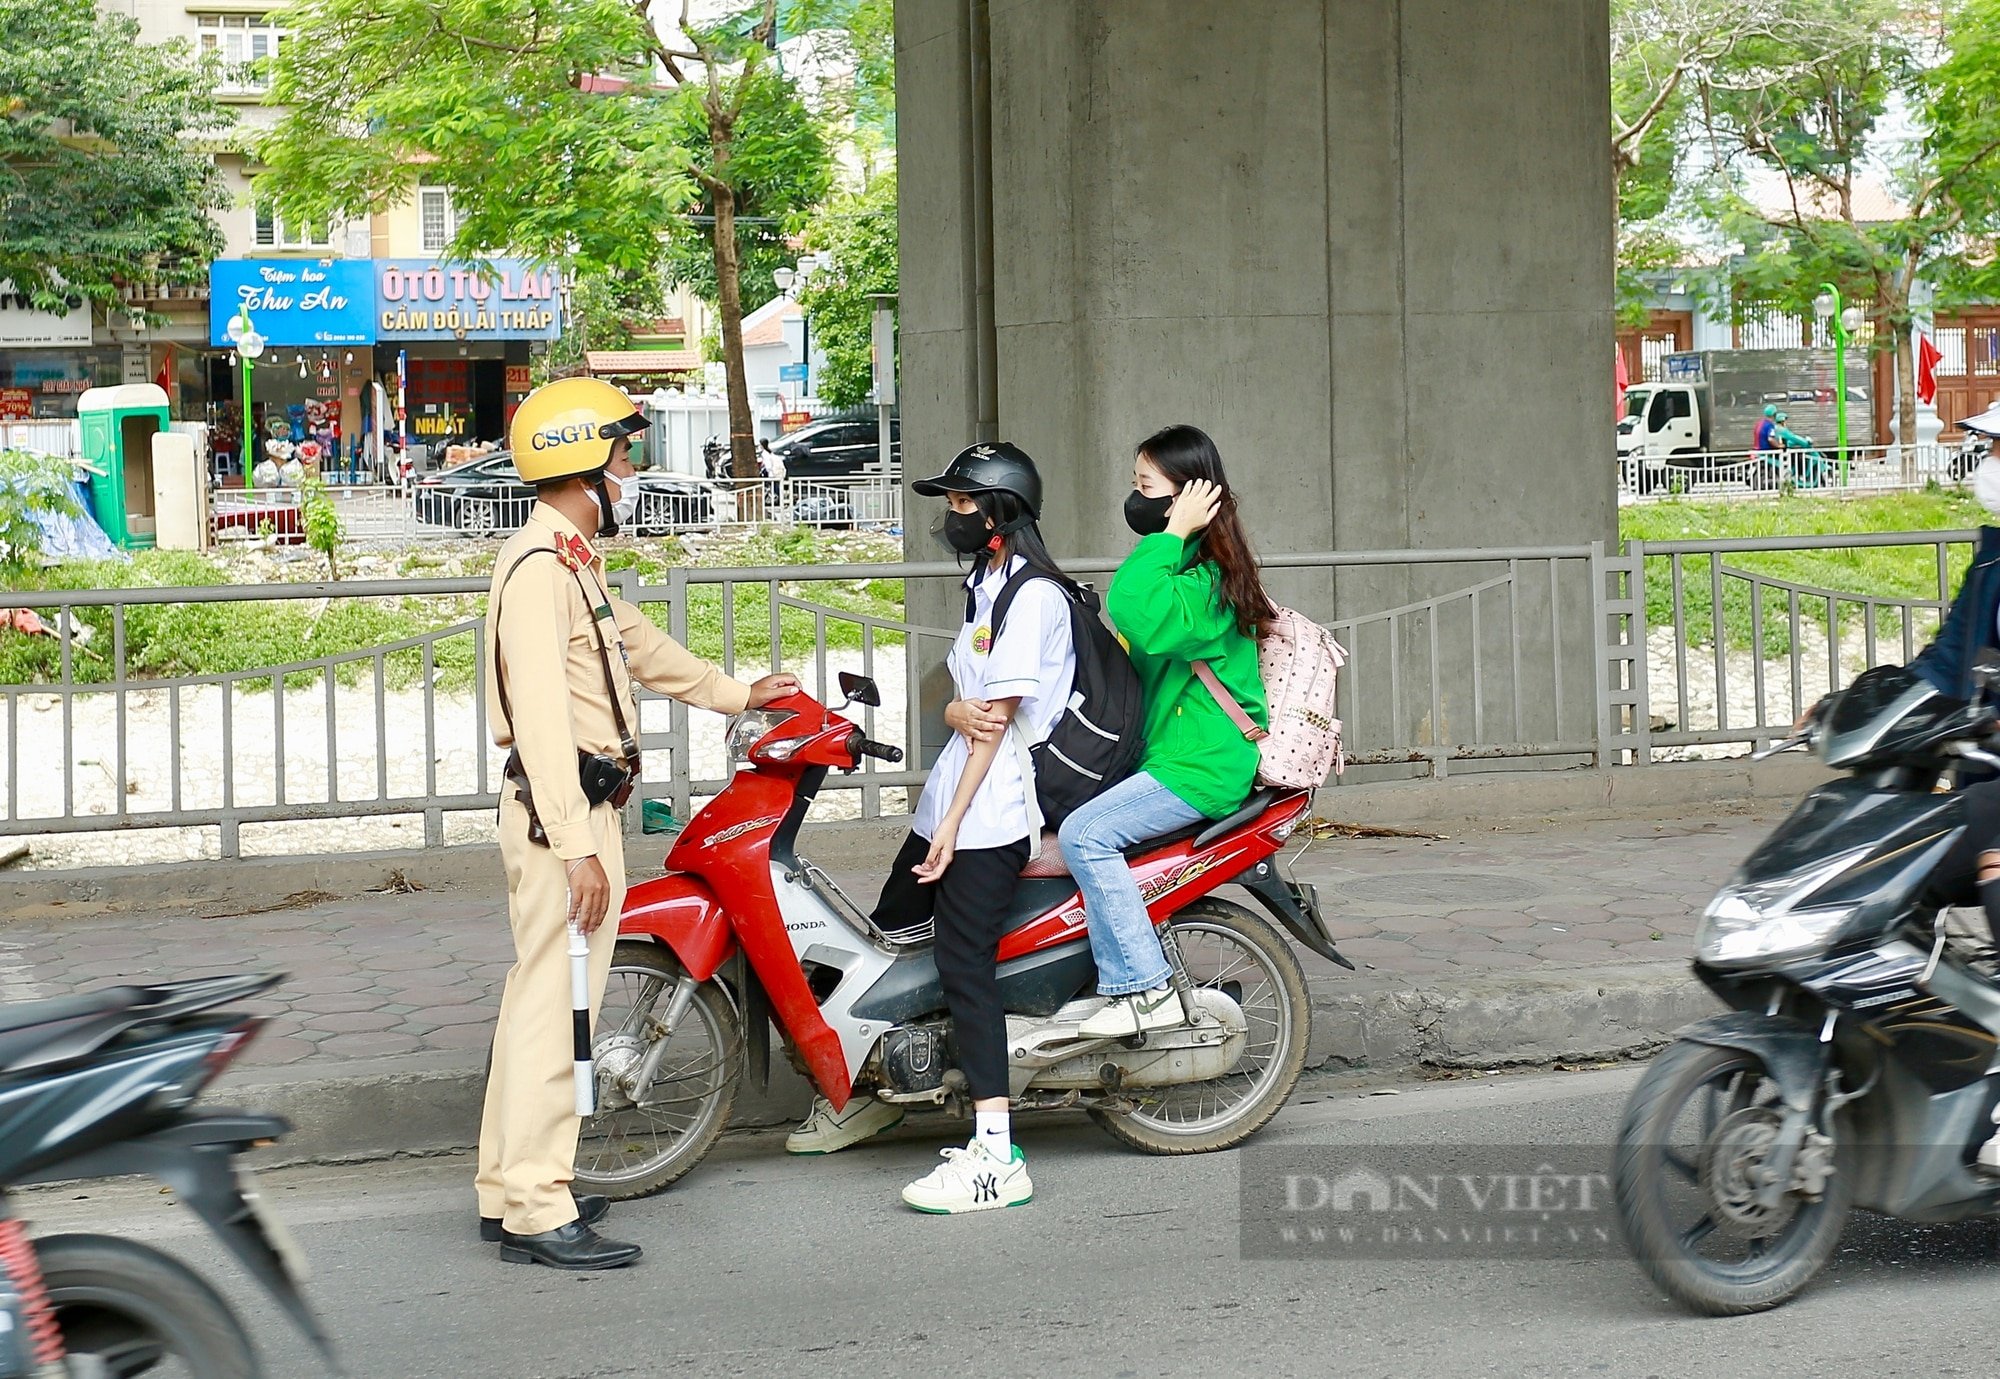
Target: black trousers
[(969, 905), (1956, 880)]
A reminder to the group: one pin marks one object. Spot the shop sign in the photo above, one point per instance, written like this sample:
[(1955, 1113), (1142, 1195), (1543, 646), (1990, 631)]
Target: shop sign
[(792, 421), (23, 327), (16, 404), (500, 299), (294, 301)]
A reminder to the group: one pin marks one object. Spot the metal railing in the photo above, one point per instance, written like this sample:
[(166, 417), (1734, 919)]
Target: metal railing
[(389, 514), (1457, 656), (1749, 474), (1713, 683), (370, 698)]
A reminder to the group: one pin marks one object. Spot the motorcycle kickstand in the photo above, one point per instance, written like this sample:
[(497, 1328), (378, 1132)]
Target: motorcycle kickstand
[(1177, 974)]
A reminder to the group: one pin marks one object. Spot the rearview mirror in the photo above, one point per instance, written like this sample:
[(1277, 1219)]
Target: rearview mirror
[(859, 689)]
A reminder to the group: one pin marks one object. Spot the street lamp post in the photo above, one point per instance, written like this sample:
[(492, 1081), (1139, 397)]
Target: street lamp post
[(249, 345), (790, 283), (1843, 321)]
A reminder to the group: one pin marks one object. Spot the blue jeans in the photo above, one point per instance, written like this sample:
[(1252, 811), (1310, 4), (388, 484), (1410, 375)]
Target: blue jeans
[(1093, 842)]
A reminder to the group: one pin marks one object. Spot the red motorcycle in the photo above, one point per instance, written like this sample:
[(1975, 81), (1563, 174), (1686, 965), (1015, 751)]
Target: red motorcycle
[(742, 933)]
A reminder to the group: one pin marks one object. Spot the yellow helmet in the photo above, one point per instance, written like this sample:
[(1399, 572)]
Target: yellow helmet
[(566, 428)]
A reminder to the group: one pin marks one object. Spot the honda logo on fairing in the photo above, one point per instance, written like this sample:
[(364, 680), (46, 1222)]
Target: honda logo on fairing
[(738, 830)]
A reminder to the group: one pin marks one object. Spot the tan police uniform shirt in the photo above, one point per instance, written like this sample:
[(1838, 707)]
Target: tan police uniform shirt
[(545, 643)]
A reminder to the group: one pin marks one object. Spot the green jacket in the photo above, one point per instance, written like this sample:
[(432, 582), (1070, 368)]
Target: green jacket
[(1166, 603)]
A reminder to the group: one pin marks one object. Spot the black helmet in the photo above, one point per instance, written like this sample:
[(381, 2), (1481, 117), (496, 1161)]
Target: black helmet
[(989, 467)]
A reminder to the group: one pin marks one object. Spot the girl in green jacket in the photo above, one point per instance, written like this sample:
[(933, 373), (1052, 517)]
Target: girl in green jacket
[(1189, 592)]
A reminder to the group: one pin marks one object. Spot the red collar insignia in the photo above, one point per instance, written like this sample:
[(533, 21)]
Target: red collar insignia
[(574, 552)]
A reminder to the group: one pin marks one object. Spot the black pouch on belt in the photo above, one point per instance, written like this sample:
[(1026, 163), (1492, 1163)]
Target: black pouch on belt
[(603, 778)]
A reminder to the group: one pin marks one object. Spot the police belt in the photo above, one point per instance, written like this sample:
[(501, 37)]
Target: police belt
[(602, 778)]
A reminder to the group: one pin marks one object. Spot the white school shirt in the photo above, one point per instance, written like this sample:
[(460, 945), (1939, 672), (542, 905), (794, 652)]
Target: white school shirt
[(1032, 658)]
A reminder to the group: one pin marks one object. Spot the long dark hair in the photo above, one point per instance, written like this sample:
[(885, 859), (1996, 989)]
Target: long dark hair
[(1185, 452), (1002, 508)]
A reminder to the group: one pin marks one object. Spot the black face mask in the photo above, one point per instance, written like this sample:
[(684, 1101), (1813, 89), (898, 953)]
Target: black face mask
[(1147, 515), (966, 532)]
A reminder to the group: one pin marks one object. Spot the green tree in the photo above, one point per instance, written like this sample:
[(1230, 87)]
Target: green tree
[(1667, 59), (859, 231), (102, 175), (783, 169), (548, 122), (1823, 136)]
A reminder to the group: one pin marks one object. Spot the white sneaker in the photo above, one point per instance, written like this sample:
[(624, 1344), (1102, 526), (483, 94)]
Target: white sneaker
[(971, 1179), (1989, 1155), (1135, 1014), (827, 1130)]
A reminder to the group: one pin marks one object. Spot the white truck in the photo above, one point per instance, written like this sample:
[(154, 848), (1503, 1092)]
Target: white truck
[(1700, 419)]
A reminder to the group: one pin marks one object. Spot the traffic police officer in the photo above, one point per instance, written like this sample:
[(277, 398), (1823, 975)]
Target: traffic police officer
[(564, 654)]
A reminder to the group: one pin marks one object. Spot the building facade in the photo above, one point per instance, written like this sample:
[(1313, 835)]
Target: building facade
[(368, 330)]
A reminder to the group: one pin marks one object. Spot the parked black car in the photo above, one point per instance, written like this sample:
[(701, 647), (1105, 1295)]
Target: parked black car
[(838, 449), (487, 497)]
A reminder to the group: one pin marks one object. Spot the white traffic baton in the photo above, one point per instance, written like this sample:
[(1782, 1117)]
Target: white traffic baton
[(579, 1010)]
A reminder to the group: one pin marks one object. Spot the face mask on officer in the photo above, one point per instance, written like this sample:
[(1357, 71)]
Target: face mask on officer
[(614, 513)]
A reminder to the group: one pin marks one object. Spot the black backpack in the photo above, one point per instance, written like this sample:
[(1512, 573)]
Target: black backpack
[(1099, 738)]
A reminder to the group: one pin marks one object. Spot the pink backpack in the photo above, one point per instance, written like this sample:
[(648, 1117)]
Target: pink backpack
[(1300, 662)]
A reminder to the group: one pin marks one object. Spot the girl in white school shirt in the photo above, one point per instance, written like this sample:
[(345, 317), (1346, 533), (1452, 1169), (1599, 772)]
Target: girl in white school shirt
[(976, 823)]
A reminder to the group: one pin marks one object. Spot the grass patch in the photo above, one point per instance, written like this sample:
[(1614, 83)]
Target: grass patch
[(173, 640), (170, 640), (1884, 571)]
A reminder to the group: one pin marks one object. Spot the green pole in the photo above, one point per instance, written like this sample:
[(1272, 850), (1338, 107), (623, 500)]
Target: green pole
[(249, 428), (1839, 376)]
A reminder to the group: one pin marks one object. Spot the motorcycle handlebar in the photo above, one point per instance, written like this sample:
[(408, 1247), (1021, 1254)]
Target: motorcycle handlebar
[(881, 751)]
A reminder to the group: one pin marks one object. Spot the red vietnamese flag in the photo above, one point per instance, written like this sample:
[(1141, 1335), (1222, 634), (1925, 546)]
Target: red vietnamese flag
[(1927, 362)]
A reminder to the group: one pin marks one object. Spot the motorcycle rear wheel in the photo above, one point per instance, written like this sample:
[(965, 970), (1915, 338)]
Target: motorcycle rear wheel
[(1228, 948), (136, 1310), (634, 1151), (1653, 1170)]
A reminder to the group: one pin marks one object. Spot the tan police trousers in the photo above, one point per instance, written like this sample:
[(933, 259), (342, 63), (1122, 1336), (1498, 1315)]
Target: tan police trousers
[(527, 1138)]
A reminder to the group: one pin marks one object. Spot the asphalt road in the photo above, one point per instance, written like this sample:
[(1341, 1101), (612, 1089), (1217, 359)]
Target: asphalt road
[(1122, 1266)]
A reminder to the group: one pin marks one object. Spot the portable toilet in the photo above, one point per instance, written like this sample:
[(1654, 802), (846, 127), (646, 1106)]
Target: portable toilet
[(117, 426)]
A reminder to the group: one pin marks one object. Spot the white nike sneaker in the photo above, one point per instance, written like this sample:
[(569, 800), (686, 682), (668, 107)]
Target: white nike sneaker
[(971, 1179), (827, 1130), (1124, 1016)]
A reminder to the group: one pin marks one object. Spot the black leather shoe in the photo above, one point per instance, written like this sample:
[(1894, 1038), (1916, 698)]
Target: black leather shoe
[(590, 1209), (575, 1246)]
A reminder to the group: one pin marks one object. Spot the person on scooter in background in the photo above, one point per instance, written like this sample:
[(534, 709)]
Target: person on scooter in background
[(1188, 593), (1765, 437), (978, 822)]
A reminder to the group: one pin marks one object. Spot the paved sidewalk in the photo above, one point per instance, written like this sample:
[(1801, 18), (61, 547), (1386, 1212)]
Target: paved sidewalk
[(1508, 919)]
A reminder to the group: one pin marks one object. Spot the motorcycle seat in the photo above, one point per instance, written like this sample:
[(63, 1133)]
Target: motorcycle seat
[(23, 1015), (1208, 831)]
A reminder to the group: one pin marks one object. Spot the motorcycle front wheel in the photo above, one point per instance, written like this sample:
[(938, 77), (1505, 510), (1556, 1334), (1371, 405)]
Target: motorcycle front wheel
[(1228, 949), (1690, 1150), (632, 1149), (137, 1311)]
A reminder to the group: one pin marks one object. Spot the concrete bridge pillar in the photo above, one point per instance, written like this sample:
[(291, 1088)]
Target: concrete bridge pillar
[(1366, 244)]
